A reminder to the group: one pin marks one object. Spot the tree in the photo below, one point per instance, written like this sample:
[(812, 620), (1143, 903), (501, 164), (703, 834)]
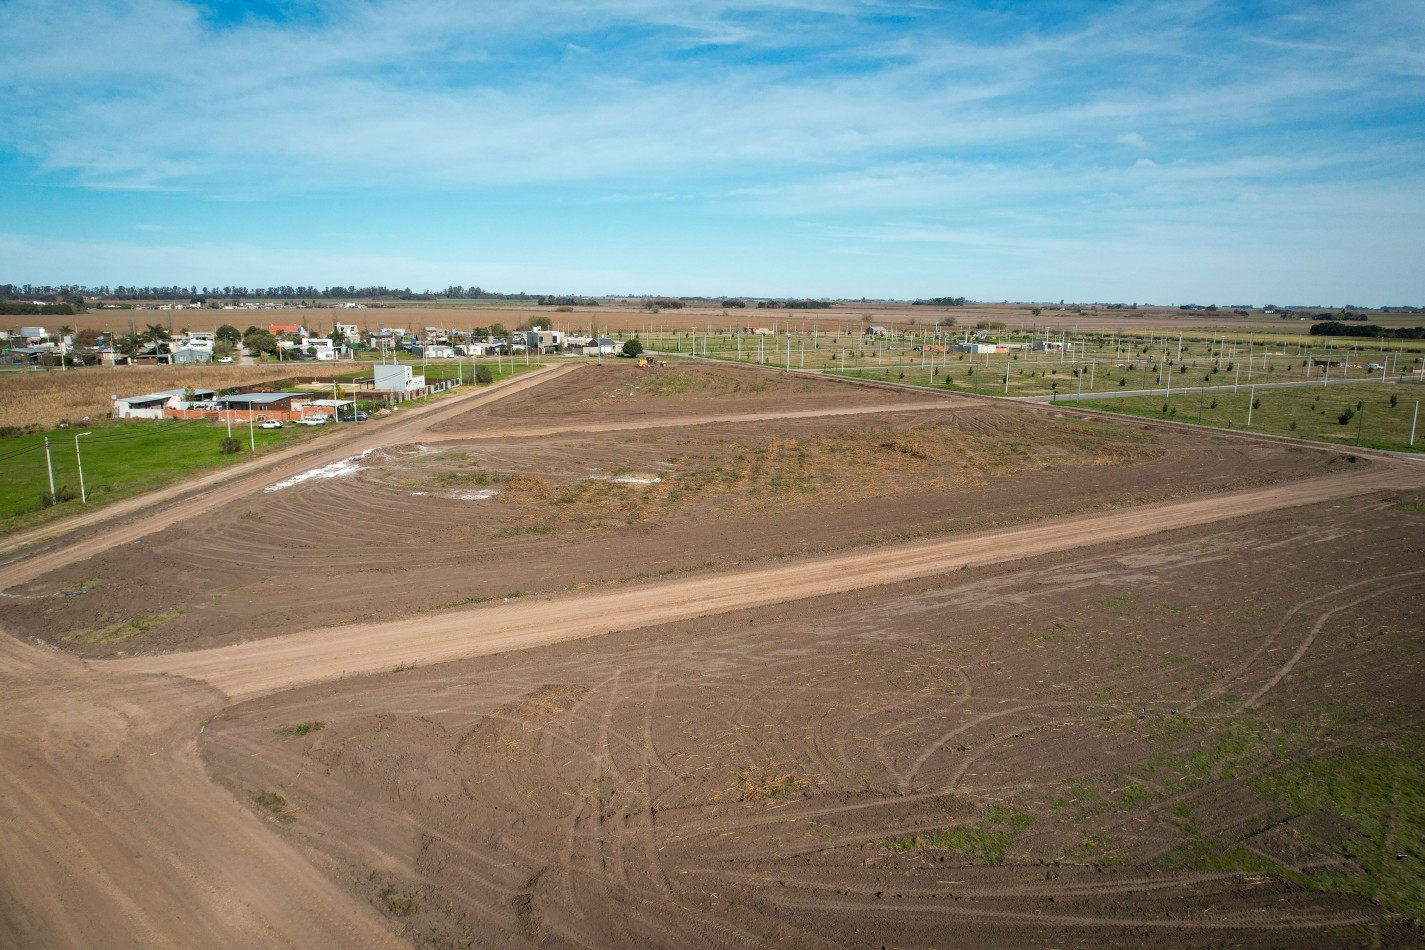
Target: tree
[(227, 333), (633, 348), (540, 323), (260, 342)]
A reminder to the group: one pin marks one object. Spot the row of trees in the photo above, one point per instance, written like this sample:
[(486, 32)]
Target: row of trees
[(1369, 330), (550, 301), (940, 302), (794, 305)]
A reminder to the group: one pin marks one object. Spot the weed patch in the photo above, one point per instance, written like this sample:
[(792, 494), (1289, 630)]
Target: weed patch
[(276, 806), (988, 840), (119, 632), (301, 729)]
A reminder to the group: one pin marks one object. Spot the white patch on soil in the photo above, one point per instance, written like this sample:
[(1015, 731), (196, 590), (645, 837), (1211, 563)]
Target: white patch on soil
[(630, 479), (339, 469), (483, 494)]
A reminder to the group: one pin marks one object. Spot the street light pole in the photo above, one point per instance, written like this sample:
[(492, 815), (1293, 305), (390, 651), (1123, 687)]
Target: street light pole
[(50, 466), (83, 496)]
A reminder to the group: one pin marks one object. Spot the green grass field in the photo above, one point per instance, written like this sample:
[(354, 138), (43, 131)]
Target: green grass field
[(1306, 412), (120, 459)]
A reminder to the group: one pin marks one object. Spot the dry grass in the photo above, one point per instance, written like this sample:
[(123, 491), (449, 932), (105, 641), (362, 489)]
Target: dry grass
[(45, 398)]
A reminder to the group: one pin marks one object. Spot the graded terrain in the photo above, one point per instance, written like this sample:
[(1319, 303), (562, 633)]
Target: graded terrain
[(715, 656), (635, 475)]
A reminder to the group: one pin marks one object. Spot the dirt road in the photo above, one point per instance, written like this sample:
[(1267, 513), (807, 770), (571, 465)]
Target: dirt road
[(249, 669)]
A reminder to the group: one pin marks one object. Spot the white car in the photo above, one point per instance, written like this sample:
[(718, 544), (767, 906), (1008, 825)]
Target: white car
[(316, 421), (225, 359), (270, 424)]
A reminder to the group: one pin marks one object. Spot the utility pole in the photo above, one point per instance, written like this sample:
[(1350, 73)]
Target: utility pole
[(84, 497), (49, 465)]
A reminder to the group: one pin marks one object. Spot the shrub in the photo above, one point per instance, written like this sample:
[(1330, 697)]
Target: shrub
[(1346, 415), (61, 494), (230, 446), (483, 376), (633, 347)]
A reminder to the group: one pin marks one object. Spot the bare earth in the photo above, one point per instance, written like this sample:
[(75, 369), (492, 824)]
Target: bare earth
[(771, 752)]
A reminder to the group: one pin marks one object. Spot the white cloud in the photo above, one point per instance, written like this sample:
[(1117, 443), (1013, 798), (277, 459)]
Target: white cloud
[(1131, 139)]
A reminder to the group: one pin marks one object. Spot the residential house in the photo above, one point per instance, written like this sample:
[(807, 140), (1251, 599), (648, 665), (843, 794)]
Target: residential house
[(168, 403)]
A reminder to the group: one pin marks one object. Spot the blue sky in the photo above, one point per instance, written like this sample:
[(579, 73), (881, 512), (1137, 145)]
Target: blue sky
[(1165, 152)]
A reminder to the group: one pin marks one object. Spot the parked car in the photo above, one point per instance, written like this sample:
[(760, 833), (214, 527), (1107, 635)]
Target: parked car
[(225, 359), (357, 416), (1374, 367), (270, 424), (314, 421)]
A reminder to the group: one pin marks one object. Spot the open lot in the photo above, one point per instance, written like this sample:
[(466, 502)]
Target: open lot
[(1163, 737), (709, 656), (638, 475)]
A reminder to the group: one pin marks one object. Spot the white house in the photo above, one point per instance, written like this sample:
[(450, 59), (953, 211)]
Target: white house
[(602, 346), (1050, 346), (322, 346), (398, 378), (544, 341), (153, 405)]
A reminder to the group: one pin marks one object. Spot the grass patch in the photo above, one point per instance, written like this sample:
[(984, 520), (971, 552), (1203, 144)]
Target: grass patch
[(276, 806), (119, 632), (403, 667), (301, 729), (988, 840), (398, 903), (1381, 794)]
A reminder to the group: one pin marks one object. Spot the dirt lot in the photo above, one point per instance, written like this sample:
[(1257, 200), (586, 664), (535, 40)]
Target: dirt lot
[(1036, 681), (486, 514), (1095, 748)]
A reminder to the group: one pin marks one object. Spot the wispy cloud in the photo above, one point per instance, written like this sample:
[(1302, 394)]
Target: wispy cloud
[(989, 125)]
